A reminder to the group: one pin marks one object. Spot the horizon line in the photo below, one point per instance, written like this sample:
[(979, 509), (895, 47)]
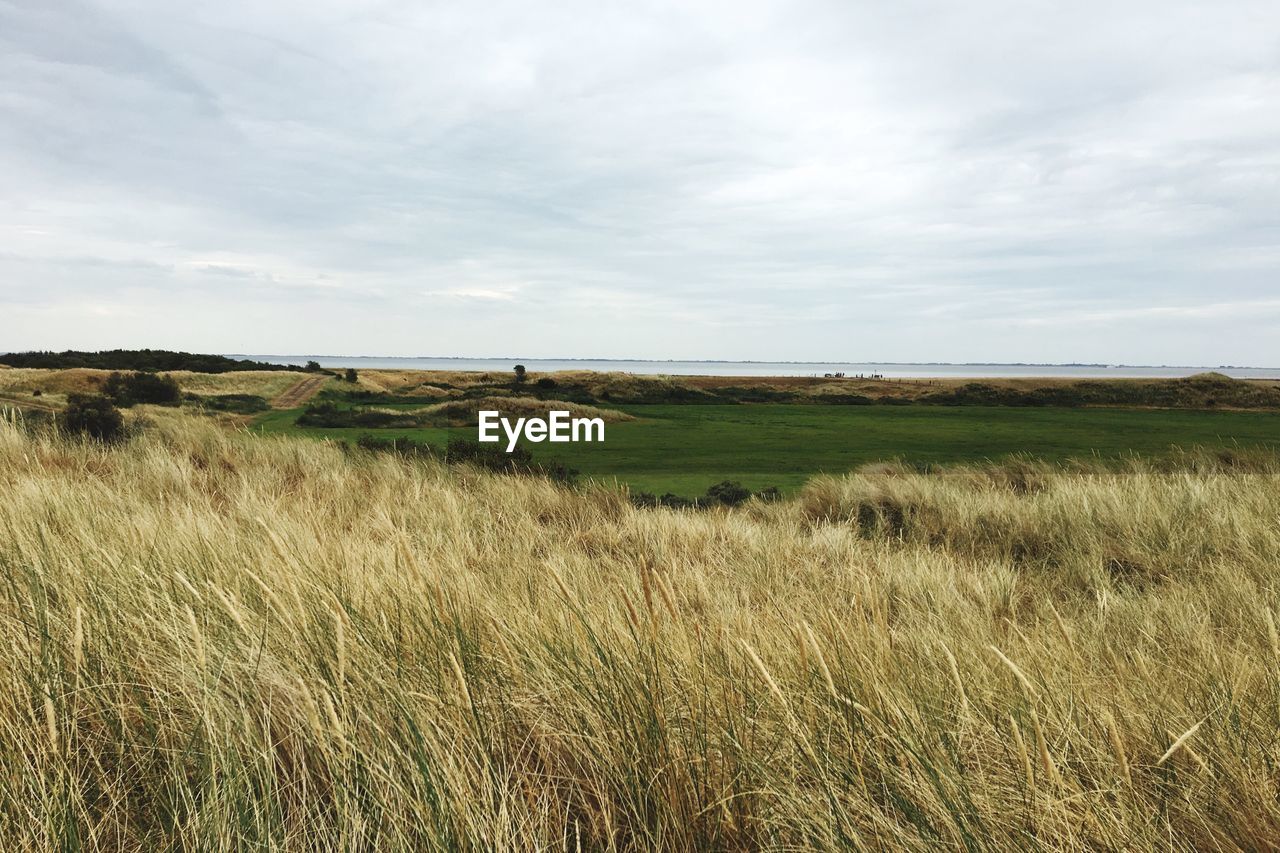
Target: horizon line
[(761, 361)]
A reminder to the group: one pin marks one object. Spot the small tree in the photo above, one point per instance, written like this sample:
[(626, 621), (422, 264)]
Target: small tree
[(312, 367), (350, 375), (522, 375), (93, 416)]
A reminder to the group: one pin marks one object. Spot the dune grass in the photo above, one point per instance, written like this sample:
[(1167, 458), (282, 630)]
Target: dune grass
[(222, 641), (56, 384)]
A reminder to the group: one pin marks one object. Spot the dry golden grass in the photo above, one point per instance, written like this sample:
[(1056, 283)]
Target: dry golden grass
[(80, 380), (217, 641), (413, 382), (263, 383), (24, 380)]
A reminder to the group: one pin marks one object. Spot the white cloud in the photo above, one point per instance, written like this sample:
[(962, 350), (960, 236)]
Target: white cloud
[(759, 179)]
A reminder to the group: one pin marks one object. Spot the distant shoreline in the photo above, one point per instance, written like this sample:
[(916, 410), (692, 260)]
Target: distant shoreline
[(516, 359), (674, 367)]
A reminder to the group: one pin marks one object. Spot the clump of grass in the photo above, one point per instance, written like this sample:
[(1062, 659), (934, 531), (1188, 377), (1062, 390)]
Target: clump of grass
[(219, 641)]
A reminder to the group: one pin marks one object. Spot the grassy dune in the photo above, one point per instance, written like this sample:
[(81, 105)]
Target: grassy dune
[(226, 642), (56, 384)]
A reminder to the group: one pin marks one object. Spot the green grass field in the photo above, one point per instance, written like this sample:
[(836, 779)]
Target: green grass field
[(684, 449)]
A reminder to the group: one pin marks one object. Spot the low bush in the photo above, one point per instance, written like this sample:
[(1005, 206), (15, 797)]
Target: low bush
[(727, 493), (461, 451), (241, 404), (130, 389), (94, 416)]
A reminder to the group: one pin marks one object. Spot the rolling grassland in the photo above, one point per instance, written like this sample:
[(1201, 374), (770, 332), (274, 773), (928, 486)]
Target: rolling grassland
[(219, 641)]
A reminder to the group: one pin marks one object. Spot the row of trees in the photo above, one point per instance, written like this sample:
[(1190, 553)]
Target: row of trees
[(138, 359)]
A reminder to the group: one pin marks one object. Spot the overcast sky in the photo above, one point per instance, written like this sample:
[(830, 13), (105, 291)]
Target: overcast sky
[(981, 181)]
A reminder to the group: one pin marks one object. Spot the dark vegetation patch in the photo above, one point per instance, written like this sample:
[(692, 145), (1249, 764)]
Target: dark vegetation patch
[(727, 493), (137, 359), (373, 398), (461, 451), (331, 415), (240, 404), (130, 389), (981, 394), (93, 416)]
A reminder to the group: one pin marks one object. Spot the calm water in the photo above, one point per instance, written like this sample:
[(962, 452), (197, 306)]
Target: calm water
[(763, 368)]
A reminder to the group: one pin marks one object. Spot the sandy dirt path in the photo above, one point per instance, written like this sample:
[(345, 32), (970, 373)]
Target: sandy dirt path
[(298, 393)]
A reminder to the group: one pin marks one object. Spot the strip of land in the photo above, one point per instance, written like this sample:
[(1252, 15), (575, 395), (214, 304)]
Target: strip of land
[(681, 435)]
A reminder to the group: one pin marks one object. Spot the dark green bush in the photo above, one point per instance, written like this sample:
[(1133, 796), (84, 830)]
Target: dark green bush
[(129, 389), (491, 456), (94, 416), (241, 404), (728, 493)]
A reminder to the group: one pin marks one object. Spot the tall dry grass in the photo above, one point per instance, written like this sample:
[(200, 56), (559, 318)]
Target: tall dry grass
[(83, 380), (216, 641)]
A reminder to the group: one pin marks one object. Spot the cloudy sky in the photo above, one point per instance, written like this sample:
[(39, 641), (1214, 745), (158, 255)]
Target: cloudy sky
[(988, 181)]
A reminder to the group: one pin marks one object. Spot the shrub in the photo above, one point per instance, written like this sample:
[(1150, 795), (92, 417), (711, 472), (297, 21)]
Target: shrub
[(312, 367), (94, 416), (546, 382), (491, 456), (243, 404), (351, 375), (129, 389), (728, 493), (522, 375)]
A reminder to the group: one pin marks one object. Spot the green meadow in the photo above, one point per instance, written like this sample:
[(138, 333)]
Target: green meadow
[(685, 448)]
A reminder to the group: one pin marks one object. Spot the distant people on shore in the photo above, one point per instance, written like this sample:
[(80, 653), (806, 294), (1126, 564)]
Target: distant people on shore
[(841, 375)]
